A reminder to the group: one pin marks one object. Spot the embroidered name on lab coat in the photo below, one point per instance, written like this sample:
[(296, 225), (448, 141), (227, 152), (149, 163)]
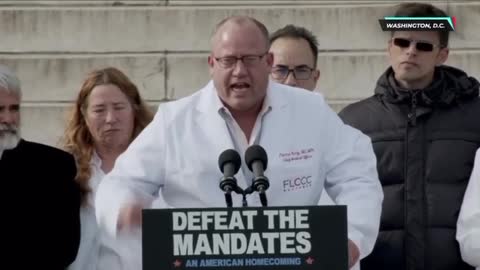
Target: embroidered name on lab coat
[(297, 155)]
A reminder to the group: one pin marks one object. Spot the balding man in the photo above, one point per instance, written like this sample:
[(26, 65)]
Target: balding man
[(176, 155)]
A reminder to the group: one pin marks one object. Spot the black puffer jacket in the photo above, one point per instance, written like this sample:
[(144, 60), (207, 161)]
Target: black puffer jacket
[(425, 143)]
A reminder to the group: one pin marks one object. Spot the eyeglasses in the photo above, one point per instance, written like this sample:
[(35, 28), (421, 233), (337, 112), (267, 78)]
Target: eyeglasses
[(423, 46), (247, 60), (299, 73)]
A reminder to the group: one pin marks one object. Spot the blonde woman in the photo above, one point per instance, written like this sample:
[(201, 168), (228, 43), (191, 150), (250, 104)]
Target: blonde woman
[(107, 115)]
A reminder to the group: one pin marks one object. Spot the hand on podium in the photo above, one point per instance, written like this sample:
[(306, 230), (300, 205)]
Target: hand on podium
[(353, 254)]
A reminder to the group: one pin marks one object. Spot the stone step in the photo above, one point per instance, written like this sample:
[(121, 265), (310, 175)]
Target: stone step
[(188, 29), (58, 78), (78, 3), (36, 3), (439, 3), (43, 123)]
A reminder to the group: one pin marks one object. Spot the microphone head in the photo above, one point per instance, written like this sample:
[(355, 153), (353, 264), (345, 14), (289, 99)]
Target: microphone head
[(229, 156), (254, 153)]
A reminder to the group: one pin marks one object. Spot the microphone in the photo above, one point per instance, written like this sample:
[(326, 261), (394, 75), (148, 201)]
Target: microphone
[(257, 161), (229, 163)]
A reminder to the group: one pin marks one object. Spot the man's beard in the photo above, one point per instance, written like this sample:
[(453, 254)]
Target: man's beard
[(9, 136)]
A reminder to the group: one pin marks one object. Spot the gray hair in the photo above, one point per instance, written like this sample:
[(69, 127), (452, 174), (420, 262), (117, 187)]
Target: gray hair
[(9, 82)]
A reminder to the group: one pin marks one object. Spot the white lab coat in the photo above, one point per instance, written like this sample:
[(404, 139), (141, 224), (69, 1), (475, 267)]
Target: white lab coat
[(468, 226), (176, 158)]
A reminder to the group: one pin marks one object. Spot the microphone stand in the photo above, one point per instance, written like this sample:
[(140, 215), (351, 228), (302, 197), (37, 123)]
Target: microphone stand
[(228, 197), (263, 197), (259, 184), (229, 184)]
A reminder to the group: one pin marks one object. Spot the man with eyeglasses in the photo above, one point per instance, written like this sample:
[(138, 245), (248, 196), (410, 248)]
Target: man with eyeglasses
[(424, 124), (295, 51), (174, 161)]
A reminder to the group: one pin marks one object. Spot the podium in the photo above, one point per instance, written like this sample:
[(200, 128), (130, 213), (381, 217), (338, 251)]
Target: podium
[(311, 237)]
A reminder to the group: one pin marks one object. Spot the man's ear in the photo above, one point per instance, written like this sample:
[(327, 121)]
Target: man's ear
[(210, 64), (389, 49), (316, 75), (442, 56), (269, 58)]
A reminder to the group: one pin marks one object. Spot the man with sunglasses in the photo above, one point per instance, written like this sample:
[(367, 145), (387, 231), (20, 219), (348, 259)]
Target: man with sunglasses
[(423, 122), (295, 51)]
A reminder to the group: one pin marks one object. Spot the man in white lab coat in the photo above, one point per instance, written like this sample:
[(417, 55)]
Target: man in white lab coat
[(174, 160), (468, 226)]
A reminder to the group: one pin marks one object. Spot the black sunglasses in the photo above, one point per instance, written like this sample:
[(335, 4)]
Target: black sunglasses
[(419, 45)]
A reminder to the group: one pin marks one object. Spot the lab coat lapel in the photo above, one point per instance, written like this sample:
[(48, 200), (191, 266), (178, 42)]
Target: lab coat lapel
[(275, 127), (210, 120)]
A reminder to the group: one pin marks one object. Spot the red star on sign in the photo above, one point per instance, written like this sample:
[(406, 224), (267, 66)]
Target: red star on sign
[(177, 263), (309, 260)]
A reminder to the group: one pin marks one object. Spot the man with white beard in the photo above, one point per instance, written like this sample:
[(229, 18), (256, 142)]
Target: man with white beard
[(9, 137), (9, 110), (40, 199)]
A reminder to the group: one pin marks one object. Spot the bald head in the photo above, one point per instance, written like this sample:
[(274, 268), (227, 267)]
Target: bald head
[(223, 27), (240, 63)]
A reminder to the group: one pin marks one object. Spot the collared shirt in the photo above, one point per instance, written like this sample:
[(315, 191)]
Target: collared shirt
[(239, 138)]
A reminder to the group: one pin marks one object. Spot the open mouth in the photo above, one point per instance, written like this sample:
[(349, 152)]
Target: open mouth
[(240, 87)]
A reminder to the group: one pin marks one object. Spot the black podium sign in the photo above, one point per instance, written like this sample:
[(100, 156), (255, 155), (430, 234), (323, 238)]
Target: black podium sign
[(245, 238)]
